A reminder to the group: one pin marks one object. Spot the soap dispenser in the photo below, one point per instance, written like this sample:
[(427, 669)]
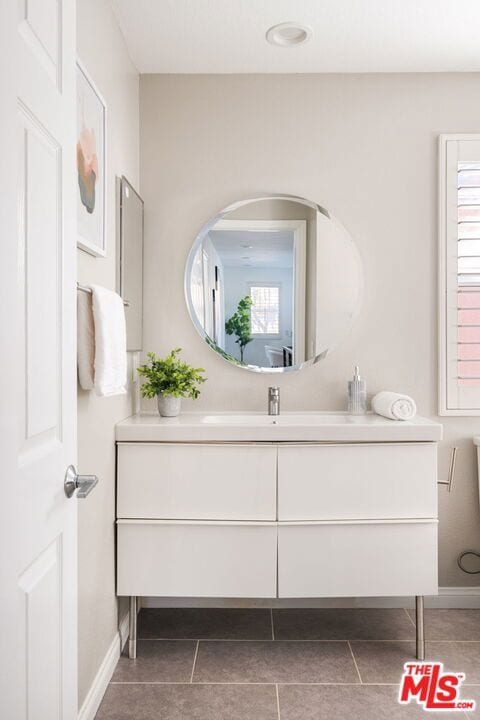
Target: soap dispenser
[(357, 394)]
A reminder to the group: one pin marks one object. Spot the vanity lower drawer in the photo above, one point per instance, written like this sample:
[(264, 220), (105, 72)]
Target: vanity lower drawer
[(337, 482), (357, 559), (196, 559), (196, 482)]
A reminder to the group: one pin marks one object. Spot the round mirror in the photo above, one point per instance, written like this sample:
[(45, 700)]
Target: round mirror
[(273, 283)]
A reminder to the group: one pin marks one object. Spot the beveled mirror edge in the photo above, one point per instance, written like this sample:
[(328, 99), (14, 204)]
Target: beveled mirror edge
[(191, 256), (120, 183)]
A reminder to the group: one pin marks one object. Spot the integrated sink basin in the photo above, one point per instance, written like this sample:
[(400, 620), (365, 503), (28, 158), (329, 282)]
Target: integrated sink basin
[(287, 427), (305, 419), (239, 420)]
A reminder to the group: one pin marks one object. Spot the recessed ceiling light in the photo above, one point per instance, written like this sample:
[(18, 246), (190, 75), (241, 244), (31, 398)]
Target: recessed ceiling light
[(249, 247), (289, 34)]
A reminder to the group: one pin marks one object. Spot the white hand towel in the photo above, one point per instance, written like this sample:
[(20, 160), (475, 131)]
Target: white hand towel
[(394, 405), (110, 342), (85, 341)]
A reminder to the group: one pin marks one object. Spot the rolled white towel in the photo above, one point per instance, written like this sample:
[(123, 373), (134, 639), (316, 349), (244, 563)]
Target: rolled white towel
[(394, 405)]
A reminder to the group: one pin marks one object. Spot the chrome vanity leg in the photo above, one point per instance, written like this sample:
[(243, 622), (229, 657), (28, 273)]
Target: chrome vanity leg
[(132, 639), (419, 622)]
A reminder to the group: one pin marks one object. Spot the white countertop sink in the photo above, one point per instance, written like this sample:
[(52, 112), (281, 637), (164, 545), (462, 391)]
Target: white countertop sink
[(287, 427), (304, 419)]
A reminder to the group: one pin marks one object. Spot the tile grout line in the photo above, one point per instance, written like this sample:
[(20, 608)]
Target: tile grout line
[(410, 618), (297, 640), (355, 663), (278, 701), (306, 640), (271, 620), (249, 682), (194, 661)]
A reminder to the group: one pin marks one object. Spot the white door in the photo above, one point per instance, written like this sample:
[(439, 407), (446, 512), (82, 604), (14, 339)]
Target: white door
[(38, 387)]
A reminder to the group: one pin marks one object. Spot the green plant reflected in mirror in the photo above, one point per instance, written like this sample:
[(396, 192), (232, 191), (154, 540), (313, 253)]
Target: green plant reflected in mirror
[(239, 324)]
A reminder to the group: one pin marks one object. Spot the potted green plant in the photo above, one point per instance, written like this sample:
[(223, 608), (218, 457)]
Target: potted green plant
[(239, 324), (169, 379)]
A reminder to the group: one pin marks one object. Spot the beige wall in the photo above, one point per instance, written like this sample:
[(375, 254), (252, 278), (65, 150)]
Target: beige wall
[(363, 146), (102, 50)]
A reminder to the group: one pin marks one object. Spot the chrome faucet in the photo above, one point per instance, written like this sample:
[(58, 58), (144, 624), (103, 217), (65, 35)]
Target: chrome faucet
[(274, 401)]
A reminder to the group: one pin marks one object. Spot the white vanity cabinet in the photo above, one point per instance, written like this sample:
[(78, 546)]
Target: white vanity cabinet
[(355, 558), (196, 520), (178, 558), (351, 481), (186, 481), (357, 520), (276, 520), (205, 510)]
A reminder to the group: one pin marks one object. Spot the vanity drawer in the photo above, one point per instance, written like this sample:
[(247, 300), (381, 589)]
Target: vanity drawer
[(337, 482), (196, 559), (354, 559), (197, 482)]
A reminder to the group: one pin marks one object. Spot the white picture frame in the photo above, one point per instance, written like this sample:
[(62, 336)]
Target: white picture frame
[(91, 164)]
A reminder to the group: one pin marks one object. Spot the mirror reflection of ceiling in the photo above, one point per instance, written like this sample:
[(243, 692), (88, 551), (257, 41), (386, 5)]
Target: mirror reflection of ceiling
[(273, 284), (247, 248)]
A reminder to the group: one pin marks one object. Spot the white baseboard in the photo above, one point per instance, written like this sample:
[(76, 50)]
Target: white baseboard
[(123, 630), (448, 597), (455, 597), (97, 690)]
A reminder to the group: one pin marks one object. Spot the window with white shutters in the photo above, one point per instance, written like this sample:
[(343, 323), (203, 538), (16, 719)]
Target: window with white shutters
[(265, 310), (468, 351), (459, 284)]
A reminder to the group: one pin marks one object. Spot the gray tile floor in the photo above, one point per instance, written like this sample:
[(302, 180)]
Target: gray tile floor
[(235, 664)]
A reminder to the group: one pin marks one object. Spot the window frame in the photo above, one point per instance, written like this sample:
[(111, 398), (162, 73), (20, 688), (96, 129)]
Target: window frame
[(449, 156), (259, 283)]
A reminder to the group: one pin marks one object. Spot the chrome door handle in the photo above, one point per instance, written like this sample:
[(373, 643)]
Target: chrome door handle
[(83, 483)]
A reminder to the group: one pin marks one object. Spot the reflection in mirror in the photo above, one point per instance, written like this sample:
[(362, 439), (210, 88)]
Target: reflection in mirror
[(273, 283), (130, 260)]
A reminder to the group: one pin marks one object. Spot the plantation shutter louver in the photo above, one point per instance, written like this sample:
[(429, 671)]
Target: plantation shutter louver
[(460, 275)]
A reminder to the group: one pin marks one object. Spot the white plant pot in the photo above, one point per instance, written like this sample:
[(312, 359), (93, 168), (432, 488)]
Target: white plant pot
[(169, 406)]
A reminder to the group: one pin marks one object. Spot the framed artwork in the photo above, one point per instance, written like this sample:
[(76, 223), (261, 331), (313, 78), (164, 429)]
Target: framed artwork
[(91, 166)]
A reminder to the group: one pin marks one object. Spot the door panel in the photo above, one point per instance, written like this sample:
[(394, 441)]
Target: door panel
[(40, 27), (40, 277), (41, 583), (38, 571)]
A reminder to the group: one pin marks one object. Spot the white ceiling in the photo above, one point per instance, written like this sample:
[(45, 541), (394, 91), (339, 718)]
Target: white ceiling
[(228, 36), (268, 249)]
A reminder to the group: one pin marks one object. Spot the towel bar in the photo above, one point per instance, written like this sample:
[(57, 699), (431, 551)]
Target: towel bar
[(84, 288)]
